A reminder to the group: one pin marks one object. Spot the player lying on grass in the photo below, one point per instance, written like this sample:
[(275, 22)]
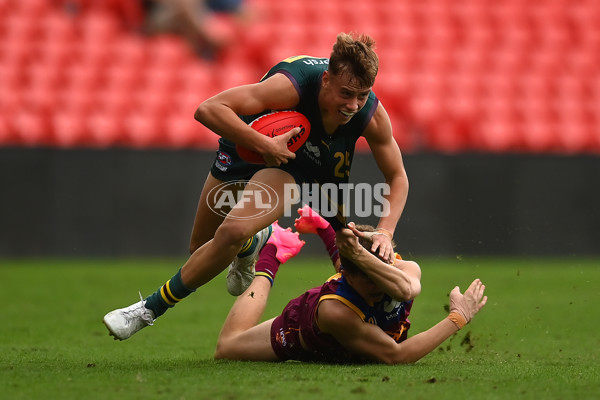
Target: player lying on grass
[(358, 315)]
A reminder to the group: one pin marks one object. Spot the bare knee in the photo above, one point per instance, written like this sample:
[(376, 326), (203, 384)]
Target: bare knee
[(196, 244), (227, 233), (234, 233)]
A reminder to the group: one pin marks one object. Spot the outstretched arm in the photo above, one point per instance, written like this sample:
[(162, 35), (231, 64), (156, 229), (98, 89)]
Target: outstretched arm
[(371, 341), (463, 308)]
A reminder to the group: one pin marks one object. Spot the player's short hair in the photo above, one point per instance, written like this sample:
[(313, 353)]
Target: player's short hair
[(356, 55), (347, 264)]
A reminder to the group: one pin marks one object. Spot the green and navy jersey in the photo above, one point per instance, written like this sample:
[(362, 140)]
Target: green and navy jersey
[(323, 158)]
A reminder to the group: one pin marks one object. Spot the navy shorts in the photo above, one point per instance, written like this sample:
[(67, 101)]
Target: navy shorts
[(228, 166)]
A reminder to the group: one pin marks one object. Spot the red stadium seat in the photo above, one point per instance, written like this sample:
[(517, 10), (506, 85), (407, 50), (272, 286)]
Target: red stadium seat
[(159, 78), (395, 13), (582, 63), (32, 9), (497, 135), (38, 98), (234, 74), (168, 51), (11, 99), (182, 130), (70, 129), (115, 101), (94, 55), (21, 28), (427, 96), (12, 77), (45, 77), (56, 53), (16, 51), (576, 120), (106, 129), (404, 133), (144, 130), (8, 136), (509, 76), (480, 35), (428, 107), (357, 15), (123, 77), (155, 102), (58, 27), (362, 145), (186, 102), (196, 72), (577, 138), (464, 97), (541, 135), (131, 51), (451, 135), (85, 77), (534, 85), (126, 13), (99, 27), (33, 127)]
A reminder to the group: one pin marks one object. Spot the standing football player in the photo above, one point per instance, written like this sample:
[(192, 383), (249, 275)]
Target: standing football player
[(336, 96)]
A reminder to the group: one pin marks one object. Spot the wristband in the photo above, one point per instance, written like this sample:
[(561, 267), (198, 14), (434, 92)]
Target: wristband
[(381, 231), (458, 319)]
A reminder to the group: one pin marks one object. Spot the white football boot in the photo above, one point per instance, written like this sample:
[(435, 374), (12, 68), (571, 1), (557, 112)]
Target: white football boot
[(124, 322), (241, 270)]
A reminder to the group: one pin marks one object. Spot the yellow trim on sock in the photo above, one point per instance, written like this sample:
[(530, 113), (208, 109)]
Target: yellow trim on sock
[(247, 245), (164, 296), (171, 293), (266, 275)]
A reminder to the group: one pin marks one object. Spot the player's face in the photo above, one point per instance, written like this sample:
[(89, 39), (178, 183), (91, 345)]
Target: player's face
[(342, 96), (367, 289)]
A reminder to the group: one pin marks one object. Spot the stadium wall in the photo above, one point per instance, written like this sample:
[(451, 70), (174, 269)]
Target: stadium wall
[(120, 203)]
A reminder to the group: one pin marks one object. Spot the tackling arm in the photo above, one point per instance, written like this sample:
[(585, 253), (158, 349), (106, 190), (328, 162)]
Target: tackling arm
[(401, 281), (389, 160)]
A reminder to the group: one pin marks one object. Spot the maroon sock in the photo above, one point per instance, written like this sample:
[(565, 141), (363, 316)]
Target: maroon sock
[(327, 235), (267, 264)]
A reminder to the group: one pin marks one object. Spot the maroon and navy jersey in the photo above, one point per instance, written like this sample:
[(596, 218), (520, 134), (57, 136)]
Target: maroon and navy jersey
[(299, 316)]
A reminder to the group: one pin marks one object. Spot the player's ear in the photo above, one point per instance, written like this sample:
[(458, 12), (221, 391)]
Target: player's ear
[(348, 276), (325, 77)]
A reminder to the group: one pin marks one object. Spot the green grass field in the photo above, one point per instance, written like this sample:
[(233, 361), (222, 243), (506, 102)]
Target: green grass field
[(536, 339)]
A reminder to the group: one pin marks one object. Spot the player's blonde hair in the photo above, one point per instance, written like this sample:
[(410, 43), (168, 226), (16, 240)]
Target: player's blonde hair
[(355, 54)]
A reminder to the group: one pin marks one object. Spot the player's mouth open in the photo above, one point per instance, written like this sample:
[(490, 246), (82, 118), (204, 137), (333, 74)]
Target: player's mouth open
[(347, 114)]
